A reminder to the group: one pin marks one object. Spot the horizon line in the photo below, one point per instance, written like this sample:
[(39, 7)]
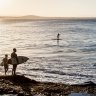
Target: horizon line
[(37, 16), (47, 16)]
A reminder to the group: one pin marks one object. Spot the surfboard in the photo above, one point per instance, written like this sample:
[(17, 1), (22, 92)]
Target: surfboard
[(21, 59), (1, 64)]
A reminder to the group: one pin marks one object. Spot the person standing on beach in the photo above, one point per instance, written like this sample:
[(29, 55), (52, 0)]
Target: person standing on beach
[(14, 61), (5, 62)]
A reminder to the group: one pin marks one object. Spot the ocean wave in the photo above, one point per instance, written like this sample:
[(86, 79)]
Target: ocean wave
[(69, 74), (88, 49)]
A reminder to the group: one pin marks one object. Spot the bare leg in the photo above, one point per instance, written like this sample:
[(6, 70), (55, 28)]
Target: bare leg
[(5, 69), (14, 69)]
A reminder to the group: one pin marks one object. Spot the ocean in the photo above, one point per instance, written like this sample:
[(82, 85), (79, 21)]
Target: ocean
[(71, 60)]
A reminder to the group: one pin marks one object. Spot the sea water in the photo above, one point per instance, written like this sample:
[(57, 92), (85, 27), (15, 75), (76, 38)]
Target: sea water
[(70, 60)]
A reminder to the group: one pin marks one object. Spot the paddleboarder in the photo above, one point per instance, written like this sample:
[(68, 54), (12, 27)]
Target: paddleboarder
[(58, 36)]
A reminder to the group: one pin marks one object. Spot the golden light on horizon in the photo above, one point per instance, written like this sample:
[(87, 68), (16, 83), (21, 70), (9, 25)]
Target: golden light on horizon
[(54, 8)]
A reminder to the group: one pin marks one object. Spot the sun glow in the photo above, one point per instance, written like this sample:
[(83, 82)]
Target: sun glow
[(3, 3)]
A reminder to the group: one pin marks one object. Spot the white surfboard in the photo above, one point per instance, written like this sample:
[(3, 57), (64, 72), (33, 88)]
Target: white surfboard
[(21, 59), (1, 64)]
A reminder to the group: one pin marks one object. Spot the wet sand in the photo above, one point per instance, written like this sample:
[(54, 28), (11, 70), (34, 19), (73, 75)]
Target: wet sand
[(23, 86)]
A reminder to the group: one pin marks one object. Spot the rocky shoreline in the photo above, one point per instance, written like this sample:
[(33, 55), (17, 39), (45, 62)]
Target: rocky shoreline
[(23, 86)]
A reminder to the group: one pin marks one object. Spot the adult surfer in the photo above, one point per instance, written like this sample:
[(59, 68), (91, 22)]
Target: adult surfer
[(14, 61)]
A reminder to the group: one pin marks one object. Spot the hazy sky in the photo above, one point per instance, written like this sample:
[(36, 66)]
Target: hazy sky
[(63, 8)]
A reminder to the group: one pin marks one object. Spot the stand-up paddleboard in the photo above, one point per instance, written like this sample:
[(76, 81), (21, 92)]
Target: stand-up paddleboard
[(21, 59), (56, 39)]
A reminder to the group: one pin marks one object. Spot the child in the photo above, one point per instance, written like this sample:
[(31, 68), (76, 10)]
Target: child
[(5, 62)]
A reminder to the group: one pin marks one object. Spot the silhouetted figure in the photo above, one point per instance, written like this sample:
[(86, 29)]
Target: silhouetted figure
[(5, 62), (58, 36), (14, 61)]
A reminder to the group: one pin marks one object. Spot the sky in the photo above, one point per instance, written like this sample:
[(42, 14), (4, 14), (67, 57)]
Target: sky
[(48, 8)]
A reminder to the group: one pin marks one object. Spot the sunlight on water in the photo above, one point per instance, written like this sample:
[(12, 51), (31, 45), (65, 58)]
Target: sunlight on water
[(71, 60), (81, 94)]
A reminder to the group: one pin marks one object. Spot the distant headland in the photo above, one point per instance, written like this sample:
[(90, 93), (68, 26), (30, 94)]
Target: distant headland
[(42, 17)]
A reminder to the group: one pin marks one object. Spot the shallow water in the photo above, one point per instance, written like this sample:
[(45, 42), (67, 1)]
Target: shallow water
[(81, 94), (70, 60)]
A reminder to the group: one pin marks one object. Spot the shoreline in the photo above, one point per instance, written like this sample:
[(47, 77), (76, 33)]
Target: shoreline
[(20, 84)]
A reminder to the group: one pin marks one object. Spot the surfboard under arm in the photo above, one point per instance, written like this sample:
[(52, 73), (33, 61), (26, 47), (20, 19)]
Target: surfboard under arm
[(21, 59)]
